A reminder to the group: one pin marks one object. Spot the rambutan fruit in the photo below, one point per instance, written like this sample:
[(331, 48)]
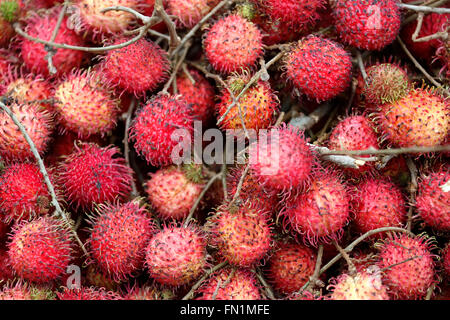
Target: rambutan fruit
[(378, 203), (321, 212), (386, 83), (38, 124), (19, 290), (251, 190), (85, 105), (407, 265), (232, 44), (367, 24), (93, 175), (282, 160), (433, 199), (154, 125), (33, 53), (241, 234), (3, 230), (172, 193), (445, 259), (298, 14), (230, 284), (95, 277), (119, 236), (9, 12), (88, 293), (320, 68), (200, 94), (147, 292), (189, 13), (40, 250), (23, 192), (136, 68), (421, 118), (24, 89), (258, 104), (365, 285), (176, 256), (290, 267), (87, 16), (431, 24), (354, 133), (6, 272)]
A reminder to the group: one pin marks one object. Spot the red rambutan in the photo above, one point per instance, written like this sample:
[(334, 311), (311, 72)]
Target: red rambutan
[(94, 175), (189, 13), (88, 293), (319, 68)]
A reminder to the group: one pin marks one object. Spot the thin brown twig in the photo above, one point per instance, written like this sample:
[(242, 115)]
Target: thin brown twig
[(51, 51), (239, 186), (412, 190), (174, 39), (134, 192), (423, 8), (396, 151), (267, 288), (350, 264), (191, 292), (175, 70)]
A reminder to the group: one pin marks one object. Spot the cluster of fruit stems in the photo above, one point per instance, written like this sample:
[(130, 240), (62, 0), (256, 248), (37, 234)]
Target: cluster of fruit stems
[(346, 157)]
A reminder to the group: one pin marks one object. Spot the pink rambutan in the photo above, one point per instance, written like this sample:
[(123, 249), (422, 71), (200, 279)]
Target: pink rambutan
[(290, 267), (421, 118), (200, 95), (41, 249), (407, 265), (24, 89), (232, 44), (38, 124), (282, 160), (365, 285), (378, 203), (148, 292), (155, 126), (93, 175), (136, 68), (6, 272), (433, 199), (230, 284), (23, 192), (320, 68), (85, 105), (172, 192), (19, 290), (88, 293), (258, 104), (367, 24), (176, 256), (119, 236), (354, 133), (189, 13), (320, 212), (241, 234), (33, 53)]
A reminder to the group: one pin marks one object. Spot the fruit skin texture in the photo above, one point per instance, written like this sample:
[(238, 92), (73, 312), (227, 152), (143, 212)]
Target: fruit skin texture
[(147, 292), (290, 267), (378, 203), (445, 254), (119, 236), (421, 118), (408, 280), (38, 124), (87, 17), (6, 272), (92, 174), (189, 13), (29, 88), (386, 83), (297, 14), (40, 250), (259, 105), (19, 290), (320, 68), (367, 24), (136, 68), (154, 124), (241, 234), (23, 192), (241, 285), (354, 133), (321, 212), (85, 106), (176, 256), (232, 44), (33, 53), (282, 161), (88, 293), (201, 95), (172, 193), (364, 285), (432, 202)]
